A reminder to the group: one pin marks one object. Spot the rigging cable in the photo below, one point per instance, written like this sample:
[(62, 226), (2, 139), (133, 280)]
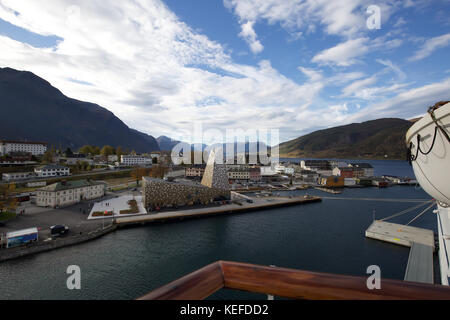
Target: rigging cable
[(408, 210), (426, 209)]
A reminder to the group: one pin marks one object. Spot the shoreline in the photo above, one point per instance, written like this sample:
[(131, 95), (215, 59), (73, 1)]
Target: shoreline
[(39, 247)]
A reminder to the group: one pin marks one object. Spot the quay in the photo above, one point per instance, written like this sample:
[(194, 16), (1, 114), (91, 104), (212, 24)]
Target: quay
[(258, 204), (333, 191), (421, 242)]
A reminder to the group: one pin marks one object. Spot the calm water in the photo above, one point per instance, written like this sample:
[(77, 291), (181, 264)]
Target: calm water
[(126, 264)]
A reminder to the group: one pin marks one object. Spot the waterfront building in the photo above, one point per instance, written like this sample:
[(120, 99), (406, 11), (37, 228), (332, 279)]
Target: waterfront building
[(161, 193), (51, 170), (215, 175), (135, 160), (307, 176), (333, 182), (16, 176), (316, 165), (66, 193), (365, 167), (34, 148)]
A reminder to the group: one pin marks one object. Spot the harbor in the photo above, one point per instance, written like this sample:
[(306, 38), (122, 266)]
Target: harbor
[(316, 237), (255, 205)]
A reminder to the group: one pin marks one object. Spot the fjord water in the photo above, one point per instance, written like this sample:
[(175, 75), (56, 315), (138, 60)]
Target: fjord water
[(325, 237)]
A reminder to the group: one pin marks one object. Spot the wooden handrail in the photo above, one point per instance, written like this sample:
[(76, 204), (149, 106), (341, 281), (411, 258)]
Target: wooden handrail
[(289, 283)]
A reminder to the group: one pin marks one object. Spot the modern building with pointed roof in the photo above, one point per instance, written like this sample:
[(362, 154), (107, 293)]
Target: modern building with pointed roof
[(215, 175)]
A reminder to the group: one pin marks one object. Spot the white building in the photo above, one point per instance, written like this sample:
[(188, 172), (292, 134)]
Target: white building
[(35, 148), (113, 158), (284, 170), (51, 170), (16, 176), (135, 160), (67, 193)]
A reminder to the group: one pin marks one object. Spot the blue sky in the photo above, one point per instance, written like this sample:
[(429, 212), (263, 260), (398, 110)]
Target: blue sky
[(299, 65)]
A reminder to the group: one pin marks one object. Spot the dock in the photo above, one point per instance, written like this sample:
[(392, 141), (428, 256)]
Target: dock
[(421, 242), (258, 204), (400, 234), (420, 264), (333, 191)]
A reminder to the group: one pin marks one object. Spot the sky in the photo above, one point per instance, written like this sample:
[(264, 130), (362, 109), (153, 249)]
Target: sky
[(294, 65)]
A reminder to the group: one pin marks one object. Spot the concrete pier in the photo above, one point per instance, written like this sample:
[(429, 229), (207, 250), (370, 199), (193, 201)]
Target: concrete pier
[(258, 204), (400, 234), (420, 264)]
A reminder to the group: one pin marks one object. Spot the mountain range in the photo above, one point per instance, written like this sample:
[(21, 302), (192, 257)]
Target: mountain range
[(31, 109), (375, 139)]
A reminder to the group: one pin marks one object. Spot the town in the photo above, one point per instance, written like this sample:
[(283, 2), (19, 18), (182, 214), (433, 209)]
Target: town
[(49, 196)]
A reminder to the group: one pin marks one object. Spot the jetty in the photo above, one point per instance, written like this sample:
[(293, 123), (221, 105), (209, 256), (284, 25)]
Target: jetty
[(257, 205), (329, 190), (421, 242)]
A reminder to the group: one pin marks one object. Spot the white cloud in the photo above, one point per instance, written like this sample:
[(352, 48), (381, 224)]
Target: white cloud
[(249, 35), (430, 46), (149, 68), (344, 54), (396, 69), (352, 89), (411, 102)]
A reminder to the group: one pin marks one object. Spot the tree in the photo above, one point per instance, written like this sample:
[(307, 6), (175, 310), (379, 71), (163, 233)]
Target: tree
[(107, 151), (158, 171), (47, 157), (68, 152), (96, 150), (119, 151), (7, 201), (86, 149), (138, 173)]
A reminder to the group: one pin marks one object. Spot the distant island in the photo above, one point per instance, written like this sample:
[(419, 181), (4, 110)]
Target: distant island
[(375, 139)]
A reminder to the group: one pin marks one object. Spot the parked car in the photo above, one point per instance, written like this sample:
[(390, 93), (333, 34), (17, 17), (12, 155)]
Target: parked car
[(58, 230)]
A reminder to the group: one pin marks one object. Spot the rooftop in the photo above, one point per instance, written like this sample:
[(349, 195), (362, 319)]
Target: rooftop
[(51, 166), (67, 185), (361, 165), (22, 142)]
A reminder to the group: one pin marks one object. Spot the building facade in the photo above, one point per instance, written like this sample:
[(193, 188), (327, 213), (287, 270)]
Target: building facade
[(238, 174), (366, 168), (333, 182), (35, 148), (135, 160), (195, 171), (51, 170), (16, 176), (255, 174), (158, 193), (66, 193)]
